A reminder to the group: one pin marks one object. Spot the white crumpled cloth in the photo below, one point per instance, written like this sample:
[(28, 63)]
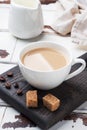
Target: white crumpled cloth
[(73, 20)]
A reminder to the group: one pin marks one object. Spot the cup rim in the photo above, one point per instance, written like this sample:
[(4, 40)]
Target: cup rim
[(41, 42), (24, 7)]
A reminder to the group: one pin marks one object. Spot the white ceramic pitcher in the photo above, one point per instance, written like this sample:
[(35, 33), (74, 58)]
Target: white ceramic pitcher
[(25, 18)]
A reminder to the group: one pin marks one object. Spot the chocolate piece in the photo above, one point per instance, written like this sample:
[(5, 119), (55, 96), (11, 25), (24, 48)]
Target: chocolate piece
[(19, 92), (8, 85), (74, 116), (5, 2), (10, 74), (51, 102), (2, 79), (47, 1), (20, 122), (31, 98), (3, 53), (16, 85)]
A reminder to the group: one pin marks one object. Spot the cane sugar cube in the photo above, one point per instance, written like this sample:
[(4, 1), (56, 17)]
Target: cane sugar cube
[(51, 102), (31, 98)]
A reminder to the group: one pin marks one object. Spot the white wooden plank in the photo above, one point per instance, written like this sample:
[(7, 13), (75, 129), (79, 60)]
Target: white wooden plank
[(12, 120), (69, 125), (19, 45), (3, 104), (51, 6), (4, 13), (83, 106), (2, 110), (7, 42), (4, 68)]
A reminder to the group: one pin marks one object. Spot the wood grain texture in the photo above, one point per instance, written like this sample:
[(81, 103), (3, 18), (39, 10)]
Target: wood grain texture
[(71, 93)]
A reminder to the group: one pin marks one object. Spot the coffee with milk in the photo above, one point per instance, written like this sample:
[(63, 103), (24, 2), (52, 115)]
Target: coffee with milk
[(44, 59)]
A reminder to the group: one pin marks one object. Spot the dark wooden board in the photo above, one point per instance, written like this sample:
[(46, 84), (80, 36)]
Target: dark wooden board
[(71, 93)]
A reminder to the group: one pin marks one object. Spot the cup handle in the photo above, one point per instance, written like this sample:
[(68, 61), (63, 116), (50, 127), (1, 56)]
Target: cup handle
[(79, 70)]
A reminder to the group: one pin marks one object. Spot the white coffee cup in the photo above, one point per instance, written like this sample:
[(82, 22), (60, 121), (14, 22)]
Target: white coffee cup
[(25, 18), (49, 79)]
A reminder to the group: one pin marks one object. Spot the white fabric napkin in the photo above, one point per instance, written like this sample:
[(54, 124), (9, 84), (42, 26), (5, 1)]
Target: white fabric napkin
[(79, 30), (73, 20), (63, 24)]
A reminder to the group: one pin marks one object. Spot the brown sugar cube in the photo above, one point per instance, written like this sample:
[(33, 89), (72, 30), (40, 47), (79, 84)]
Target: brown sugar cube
[(51, 102), (31, 98)]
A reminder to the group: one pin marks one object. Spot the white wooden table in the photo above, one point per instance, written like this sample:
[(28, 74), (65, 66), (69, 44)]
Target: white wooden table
[(10, 119)]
